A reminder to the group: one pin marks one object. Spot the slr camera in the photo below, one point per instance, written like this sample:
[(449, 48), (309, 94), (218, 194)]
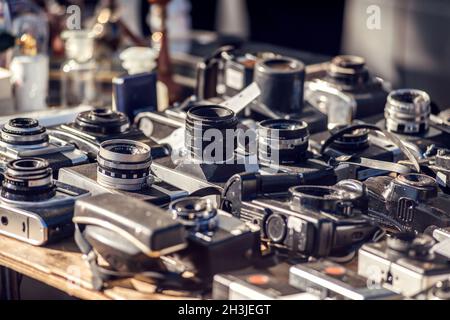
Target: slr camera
[(404, 262), (217, 242), (93, 127), (329, 280), (316, 221), (411, 202), (349, 74), (123, 167), (25, 137), (33, 207)]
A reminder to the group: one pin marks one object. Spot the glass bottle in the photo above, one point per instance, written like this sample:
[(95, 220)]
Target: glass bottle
[(78, 85)]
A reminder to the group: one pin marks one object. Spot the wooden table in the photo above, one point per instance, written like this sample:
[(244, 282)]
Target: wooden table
[(61, 266)]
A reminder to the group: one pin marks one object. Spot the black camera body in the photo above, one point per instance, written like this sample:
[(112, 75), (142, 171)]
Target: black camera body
[(309, 221), (217, 241), (404, 263), (34, 208), (329, 280), (91, 128), (25, 137), (410, 202), (123, 167), (350, 75)]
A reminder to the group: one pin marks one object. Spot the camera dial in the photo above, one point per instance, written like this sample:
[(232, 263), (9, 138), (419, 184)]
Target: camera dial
[(102, 121), (24, 132), (282, 141), (408, 111), (197, 214), (407, 243), (348, 70), (416, 187), (441, 290), (29, 180), (124, 165)]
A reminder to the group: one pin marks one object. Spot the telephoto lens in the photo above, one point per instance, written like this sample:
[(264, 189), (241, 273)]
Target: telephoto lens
[(102, 121), (207, 125), (124, 165), (281, 81), (24, 132), (27, 180), (348, 70), (196, 214), (408, 111), (282, 141)]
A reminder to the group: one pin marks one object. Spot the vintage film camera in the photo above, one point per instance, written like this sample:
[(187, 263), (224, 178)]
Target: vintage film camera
[(93, 127), (33, 207), (404, 262), (349, 74), (123, 167), (330, 280), (410, 202), (25, 137), (313, 221), (254, 284)]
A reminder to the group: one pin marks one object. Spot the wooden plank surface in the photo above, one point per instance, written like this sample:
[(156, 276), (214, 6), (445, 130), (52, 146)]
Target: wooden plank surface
[(61, 266)]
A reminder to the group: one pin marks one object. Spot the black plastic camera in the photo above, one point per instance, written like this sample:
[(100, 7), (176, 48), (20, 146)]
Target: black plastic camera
[(91, 128), (33, 207), (411, 202), (350, 75), (123, 167), (217, 241), (310, 220), (25, 137), (403, 262)]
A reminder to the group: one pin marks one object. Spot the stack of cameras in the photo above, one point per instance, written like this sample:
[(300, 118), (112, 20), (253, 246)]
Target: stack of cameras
[(325, 185)]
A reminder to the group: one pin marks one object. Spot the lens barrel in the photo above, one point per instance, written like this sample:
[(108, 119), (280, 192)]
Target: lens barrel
[(355, 140), (197, 214), (408, 111), (281, 81), (102, 121), (348, 70), (123, 165), (211, 124), (24, 132), (282, 141), (28, 179)]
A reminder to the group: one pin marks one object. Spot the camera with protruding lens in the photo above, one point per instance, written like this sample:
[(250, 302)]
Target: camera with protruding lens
[(349, 74), (123, 167), (404, 262), (314, 221), (411, 202), (217, 241), (34, 208), (93, 127), (25, 137)]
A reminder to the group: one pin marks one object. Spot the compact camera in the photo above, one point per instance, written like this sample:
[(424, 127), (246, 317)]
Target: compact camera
[(411, 202), (349, 74), (123, 167), (254, 284), (217, 241), (330, 280), (314, 221), (33, 207), (404, 262), (93, 127), (25, 137)]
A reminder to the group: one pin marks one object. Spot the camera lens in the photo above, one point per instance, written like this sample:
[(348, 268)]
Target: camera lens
[(123, 164), (355, 140), (198, 214), (209, 124), (27, 179), (336, 200), (24, 132), (281, 82), (102, 121), (348, 70), (407, 111), (282, 141)]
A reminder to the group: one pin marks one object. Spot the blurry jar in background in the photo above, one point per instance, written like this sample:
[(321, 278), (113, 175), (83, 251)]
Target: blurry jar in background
[(78, 85)]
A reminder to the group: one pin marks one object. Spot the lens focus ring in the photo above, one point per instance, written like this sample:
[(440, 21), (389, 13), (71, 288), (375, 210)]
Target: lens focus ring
[(24, 131)]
